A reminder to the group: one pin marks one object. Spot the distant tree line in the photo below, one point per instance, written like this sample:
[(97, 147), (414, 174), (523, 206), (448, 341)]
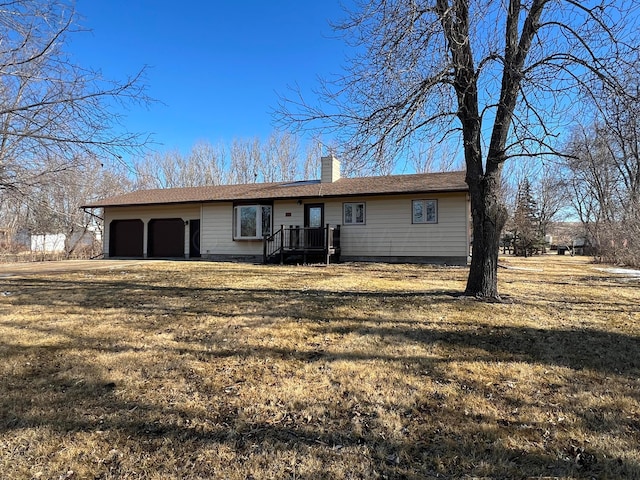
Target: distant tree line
[(278, 158)]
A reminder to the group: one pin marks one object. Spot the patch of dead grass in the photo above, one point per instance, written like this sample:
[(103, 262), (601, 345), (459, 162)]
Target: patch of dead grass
[(209, 370)]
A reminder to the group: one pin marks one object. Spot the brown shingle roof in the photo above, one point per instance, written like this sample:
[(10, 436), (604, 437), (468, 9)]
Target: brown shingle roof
[(362, 186)]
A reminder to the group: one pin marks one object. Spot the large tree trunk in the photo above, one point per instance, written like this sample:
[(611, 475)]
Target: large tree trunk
[(489, 216)]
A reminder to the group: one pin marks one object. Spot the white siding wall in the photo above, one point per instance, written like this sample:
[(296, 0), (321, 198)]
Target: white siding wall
[(217, 233), (146, 213), (280, 210), (388, 230)]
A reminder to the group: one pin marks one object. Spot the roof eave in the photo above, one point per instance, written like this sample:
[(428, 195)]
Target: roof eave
[(462, 189)]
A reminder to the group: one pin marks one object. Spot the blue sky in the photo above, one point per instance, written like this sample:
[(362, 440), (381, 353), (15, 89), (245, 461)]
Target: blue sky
[(215, 66)]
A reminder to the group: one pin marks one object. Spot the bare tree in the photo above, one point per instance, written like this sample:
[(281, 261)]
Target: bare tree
[(604, 172), (208, 164), (13, 211), (53, 113), (500, 76), (588, 177), (54, 208), (204, 165), (551, 195), (622, 120), (548, 187), (161, 170), (311, 162), (245, 161), (279, 160), (426, 157)]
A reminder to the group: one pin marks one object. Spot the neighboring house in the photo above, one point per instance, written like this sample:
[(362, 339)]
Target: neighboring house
[(571, 236), (397, 218), (57, 242), (48, 242)]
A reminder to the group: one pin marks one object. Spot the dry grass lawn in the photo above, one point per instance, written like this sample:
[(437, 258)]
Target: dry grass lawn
[(218, 370)]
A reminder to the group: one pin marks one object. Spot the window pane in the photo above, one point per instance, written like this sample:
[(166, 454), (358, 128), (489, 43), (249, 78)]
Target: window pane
[(431, 211), (359, 213), (315, 217), (266, 221), (348, 213), (248, 221), (417, 212)]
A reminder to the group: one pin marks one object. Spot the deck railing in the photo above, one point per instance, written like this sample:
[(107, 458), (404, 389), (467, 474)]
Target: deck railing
[(296, 240)]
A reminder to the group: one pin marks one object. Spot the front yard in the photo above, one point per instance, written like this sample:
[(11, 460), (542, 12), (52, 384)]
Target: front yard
[(219, 370)]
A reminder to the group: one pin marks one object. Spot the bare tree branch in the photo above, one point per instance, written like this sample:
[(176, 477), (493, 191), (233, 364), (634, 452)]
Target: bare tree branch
[(53, 113)]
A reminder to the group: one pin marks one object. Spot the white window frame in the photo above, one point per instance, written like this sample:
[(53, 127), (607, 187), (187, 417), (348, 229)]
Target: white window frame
[(426, 203), (261, 231), (353, 216)]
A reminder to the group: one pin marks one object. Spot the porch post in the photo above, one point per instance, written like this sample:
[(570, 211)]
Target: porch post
[(327, 243), (282, 244)]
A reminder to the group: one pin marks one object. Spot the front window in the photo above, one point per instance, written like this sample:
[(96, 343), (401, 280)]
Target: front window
[(266, 220), (248, 216), (354, 213), (251, 222), (425, 211)]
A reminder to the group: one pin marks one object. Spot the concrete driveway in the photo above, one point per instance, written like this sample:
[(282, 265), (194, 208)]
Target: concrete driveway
[(36, 268)]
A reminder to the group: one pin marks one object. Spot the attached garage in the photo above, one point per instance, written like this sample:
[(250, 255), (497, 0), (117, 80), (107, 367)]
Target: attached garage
[(126, 238), (166, 237)]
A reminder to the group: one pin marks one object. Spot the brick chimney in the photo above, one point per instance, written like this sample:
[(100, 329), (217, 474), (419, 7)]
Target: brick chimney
[(330, 169)]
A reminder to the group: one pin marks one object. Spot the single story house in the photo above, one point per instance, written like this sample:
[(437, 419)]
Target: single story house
[(396, 218)]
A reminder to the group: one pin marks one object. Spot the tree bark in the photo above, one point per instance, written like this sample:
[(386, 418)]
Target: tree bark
[(489, 216)]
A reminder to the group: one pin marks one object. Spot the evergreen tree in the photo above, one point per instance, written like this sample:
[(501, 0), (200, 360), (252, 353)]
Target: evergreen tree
[(527, 233)]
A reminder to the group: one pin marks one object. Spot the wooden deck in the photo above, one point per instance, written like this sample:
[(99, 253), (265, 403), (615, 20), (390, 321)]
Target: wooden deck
[(308, 245)]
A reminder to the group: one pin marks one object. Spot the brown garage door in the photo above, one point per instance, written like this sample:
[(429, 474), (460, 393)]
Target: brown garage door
[(126, 238), (166, 237)]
